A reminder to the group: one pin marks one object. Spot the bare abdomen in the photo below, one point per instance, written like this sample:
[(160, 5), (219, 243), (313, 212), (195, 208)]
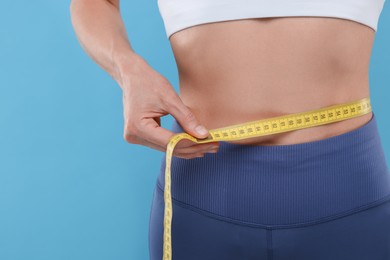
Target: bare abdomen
[(244, 70)]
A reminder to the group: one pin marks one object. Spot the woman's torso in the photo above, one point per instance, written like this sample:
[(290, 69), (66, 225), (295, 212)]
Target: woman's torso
[(237, 71)]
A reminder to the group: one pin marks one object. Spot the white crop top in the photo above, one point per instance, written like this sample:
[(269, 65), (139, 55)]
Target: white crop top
[(181, 14)]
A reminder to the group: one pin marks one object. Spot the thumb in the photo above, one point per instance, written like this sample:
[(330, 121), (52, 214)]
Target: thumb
[(187, 119)]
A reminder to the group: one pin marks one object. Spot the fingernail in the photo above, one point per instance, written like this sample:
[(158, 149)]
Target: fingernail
[(201, 130)]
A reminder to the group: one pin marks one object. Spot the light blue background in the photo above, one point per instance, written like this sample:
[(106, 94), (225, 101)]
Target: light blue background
[(70, 186)]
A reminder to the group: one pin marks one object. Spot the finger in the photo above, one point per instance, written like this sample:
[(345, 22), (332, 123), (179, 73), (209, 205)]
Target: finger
[(140, 141), (197, 148), (185, 117), (150, 131), (175, 153), (157, 138)]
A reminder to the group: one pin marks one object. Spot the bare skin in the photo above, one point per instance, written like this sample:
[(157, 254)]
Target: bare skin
[(238, 71), (147, 95), (232, 72)]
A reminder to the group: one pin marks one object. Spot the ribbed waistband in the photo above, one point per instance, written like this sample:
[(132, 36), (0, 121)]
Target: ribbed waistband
[(284, 184)]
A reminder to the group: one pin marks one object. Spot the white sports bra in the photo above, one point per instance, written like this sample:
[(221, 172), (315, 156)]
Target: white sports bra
[(181, 14)]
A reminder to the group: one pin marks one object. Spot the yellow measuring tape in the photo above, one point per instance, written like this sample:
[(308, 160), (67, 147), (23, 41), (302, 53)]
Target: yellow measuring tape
[(262, 127)]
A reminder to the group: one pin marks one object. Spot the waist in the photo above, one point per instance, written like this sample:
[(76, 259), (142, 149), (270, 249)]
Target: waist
[(243, 70), (288, 184), (216, 111)]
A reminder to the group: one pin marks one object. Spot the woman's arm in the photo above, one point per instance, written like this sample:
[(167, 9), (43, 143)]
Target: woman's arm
[(147, 95), (102, 34)]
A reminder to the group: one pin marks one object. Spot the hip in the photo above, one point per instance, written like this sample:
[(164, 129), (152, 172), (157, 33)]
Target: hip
[(284, 184)]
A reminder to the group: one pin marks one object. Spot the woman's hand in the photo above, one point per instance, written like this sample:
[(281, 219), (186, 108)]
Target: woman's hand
[(147, 96)]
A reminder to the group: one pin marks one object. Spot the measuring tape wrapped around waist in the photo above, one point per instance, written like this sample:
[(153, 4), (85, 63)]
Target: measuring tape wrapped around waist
[(251, 129)]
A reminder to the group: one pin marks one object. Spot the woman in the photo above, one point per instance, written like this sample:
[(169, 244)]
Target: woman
[(317, 193)]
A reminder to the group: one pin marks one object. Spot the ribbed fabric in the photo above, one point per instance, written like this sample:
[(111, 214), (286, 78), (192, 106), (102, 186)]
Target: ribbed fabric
[(284, 184), (181, 14)]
